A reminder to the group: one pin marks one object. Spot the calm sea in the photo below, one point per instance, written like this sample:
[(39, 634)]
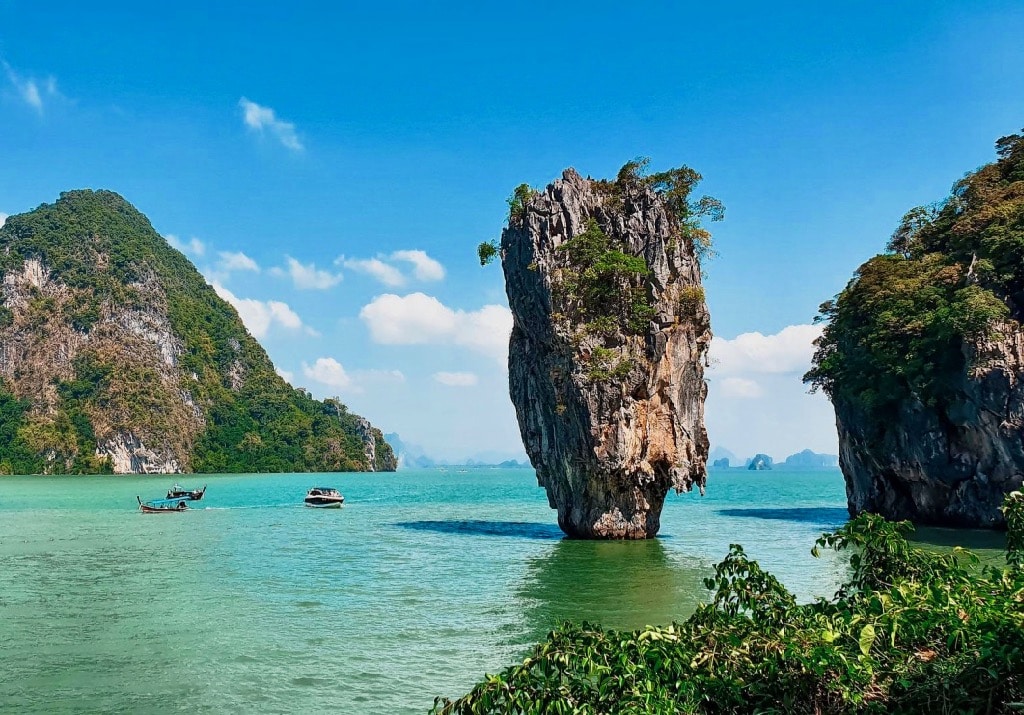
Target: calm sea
[(421, 584)]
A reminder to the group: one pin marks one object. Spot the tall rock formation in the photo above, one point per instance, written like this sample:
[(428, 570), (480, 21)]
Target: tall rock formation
[(923, 357), (116, 356), (608, 345)]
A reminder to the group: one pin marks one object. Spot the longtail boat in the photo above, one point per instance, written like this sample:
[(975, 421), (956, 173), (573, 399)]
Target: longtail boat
[(161, 506)]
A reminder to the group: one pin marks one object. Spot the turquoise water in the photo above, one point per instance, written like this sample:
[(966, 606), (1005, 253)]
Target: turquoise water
[(423, 582)]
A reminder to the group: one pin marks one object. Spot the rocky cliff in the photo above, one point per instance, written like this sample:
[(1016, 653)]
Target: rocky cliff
[(115, 355), (923, 357), (608, 345)]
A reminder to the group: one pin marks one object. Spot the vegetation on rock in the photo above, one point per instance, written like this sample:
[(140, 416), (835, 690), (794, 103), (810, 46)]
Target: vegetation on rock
[(151, 350), (909, 632), (953, 276)]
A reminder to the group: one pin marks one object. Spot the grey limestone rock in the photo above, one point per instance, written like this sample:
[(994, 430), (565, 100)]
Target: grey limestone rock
[(949, 465), (607, 444)]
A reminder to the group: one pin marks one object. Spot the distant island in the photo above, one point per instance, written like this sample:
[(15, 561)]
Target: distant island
[(804, 459), (413, 456)]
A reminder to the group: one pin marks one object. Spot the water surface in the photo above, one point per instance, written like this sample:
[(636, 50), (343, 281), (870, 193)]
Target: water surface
[(423, 582)]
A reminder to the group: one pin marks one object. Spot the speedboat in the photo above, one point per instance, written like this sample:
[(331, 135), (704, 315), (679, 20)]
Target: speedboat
[(180, 492), (161, 506), (324, 498)]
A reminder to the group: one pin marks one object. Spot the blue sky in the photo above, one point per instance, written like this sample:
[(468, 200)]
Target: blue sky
[(356, 155)]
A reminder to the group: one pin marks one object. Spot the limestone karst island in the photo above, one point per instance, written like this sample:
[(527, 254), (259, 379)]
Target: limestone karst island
[(578, 359), (117, 356)]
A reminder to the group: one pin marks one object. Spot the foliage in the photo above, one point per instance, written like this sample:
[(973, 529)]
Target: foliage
[(910, 632), (600, 281), (110, 260), (487, 251), (518, 201), (953, 275)]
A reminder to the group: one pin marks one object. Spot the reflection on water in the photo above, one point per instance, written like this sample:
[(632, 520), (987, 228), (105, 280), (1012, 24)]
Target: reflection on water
[(480, 527), (618, 584), (988, 545), (825, 518)]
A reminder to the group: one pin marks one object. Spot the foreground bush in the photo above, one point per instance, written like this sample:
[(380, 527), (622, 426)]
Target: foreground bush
[(910, 632)]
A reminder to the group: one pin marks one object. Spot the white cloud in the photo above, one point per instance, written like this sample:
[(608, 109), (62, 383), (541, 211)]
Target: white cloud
[(425, 268), (31, 91), (385, 273), (193, 247), (456, 379), (422, 319), (259, 316), (307, 277), (236, 262), (260, 118), (3, 219), (788, 351), (740, 387), (327, 371), (287, 376)]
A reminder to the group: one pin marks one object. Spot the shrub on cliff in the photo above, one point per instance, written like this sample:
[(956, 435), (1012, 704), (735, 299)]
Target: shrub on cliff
[(909, 632), (953, 273)]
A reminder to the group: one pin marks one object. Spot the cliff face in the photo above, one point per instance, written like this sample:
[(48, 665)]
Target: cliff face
[(606, 378), (923, 357), (115, 355), (949, 464)]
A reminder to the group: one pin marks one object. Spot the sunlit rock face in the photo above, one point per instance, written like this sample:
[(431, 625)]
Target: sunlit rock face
[(612, 418)]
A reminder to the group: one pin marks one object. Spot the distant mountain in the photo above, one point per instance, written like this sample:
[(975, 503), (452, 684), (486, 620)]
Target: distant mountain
[(721, 463), (116, 355), (760, 462), (807, 458), (719, 452), (409, 456), (413, 456)]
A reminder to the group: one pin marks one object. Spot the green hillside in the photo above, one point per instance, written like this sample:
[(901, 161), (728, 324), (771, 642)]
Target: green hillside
[(123, 336)]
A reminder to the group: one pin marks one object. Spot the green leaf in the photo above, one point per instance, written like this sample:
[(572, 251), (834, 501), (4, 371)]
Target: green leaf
[(867, 638)]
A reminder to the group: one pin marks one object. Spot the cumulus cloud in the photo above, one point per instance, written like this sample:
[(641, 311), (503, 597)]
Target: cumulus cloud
[(787, 351), (456, 379), (259, 316), (422, 319), (384, 272), (307, 277), (740, 387), (425, 268), (329, 372), (264, 119), (287, 376), (237, 261), (193, 247), (31, 91)]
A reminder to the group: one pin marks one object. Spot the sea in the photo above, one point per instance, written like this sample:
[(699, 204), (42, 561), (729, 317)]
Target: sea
[(421, 584)]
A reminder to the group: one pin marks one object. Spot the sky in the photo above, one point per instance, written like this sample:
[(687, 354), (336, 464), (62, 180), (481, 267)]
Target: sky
[(330, 168)]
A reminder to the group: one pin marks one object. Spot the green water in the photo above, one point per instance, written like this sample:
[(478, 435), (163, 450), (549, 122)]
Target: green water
[(421, 584)]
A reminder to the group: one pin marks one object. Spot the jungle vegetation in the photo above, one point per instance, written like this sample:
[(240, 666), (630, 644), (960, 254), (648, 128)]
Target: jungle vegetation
[(911, 631), (109, 262), (952, 276)]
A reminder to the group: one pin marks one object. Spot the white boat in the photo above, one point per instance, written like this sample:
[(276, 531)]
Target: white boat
[(324, 498)]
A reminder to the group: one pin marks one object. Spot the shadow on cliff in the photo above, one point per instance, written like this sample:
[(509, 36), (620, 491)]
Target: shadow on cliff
[(825, 518), (616, 584), (480, 527)]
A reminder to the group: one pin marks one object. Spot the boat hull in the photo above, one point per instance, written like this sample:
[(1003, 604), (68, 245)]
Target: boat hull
[(319, 503), (163, 508)]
